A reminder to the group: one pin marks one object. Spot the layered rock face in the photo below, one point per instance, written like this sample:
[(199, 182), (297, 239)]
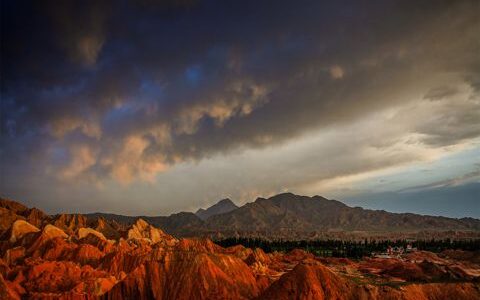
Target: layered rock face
[(69, 257)]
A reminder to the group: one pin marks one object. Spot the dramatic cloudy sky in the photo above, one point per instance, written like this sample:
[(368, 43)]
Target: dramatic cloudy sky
[(152, 107)]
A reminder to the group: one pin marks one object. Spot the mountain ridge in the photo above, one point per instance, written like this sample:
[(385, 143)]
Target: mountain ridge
[(223, 206), (287, 216), (318, 213), (290, 216)]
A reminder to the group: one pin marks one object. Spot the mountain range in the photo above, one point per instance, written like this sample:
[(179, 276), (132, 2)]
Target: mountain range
[(292, 216)]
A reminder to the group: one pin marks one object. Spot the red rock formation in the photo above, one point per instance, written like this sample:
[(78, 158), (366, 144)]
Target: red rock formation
[(311, 280), (70, 257), (105, 228), (203, 276), (8, 290), (10, 211), (84, 232), (141, 230), (36, 217), (13, 206), (70, 222), (7, 218), (19, 229)]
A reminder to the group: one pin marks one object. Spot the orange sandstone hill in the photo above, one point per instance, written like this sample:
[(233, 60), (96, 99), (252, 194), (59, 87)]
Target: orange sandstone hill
[(72, 257)]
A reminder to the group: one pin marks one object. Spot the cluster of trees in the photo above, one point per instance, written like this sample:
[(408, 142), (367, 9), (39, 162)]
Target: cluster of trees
[(351, 249)]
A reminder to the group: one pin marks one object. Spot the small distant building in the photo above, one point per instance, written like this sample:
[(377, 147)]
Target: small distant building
[(410, 248), (392, 252)]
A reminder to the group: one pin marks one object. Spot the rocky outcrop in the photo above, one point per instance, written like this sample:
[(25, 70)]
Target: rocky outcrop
[(141, 230), (85, 231), (19, 229), (202, 276), (36, 217), (108, 230), (70, 222), (51, 231), (11, 211)]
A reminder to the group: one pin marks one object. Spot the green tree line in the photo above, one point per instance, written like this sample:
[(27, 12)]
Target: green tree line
[(350, 249)]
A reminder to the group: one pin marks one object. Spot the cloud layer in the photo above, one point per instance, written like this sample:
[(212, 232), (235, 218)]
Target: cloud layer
[(122, 92)]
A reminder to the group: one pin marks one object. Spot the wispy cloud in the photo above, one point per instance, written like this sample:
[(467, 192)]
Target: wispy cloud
[(463, 179)]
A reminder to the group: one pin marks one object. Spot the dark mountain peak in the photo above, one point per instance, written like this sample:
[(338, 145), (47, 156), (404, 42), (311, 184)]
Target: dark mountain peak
[(226, 201), (259, 200), (185, 215), (223, 206), (286, 195), (292, 199), (280, 197), (292, 196)]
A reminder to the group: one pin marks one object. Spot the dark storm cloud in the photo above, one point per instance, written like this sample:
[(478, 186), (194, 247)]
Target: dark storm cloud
[(441, 92), (128, 88)]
